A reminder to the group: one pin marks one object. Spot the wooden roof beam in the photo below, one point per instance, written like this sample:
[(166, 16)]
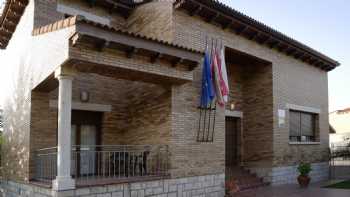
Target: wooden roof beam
[(254, 36), (155, 58), (211, 19), (131, 52), (306, 57), (135, 43), (291, 52), (300, 55), (102, 45), (19, 4), (274, 44), (177, 62), (116, 4), (281, 48), (266, 40), (227, 25), (241, 30), (195, 11)]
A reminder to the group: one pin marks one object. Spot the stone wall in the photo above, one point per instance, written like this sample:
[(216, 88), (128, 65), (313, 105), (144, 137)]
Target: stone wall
[(288, 174), (206, 186)]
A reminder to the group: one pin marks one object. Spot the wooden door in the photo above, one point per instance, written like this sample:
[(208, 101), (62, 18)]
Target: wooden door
[(231, 142)]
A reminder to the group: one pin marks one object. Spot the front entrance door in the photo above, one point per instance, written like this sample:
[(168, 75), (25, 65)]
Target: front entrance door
[(232, 142), (85, 139)]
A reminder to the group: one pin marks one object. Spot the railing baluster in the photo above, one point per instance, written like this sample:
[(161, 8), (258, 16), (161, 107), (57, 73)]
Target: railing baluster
[(124, 162), (106, 162), (119, 164), (109, 164)]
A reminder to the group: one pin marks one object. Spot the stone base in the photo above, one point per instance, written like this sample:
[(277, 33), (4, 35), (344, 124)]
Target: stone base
[(289, 174), (63, 183), (205, 186)]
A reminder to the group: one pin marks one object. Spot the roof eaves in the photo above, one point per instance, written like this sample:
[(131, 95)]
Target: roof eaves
[(16, 8), (227, 10), (80, 19)]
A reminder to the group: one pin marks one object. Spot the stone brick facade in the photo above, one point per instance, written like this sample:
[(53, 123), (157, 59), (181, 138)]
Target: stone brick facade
[(192, 31), (145, 110), (287, 174), (207, 186)]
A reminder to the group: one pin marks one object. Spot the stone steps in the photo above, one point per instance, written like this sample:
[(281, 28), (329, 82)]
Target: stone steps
[(244, 180)]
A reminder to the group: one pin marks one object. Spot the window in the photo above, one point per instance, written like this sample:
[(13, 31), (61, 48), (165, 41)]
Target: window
[(302, 126)]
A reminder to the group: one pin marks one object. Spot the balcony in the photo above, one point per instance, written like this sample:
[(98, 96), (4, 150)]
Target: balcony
[(106, 164)]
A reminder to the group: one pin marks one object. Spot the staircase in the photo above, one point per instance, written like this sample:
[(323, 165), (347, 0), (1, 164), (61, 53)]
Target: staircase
[(240, 180)]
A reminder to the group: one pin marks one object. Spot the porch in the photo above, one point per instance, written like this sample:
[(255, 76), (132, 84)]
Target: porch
[(105, 115), (105, 164), (119, 131)]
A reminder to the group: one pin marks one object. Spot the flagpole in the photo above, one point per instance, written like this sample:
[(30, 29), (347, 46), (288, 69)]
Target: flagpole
[(200, 106), (207, 131)]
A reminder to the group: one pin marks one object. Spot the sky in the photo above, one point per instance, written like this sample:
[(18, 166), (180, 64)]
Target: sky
[(321, 24)]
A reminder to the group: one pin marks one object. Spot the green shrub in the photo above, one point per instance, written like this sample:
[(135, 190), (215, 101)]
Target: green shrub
[(304, 169)]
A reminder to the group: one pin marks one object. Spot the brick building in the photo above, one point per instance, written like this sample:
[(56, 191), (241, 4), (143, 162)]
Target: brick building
[(104, 100)]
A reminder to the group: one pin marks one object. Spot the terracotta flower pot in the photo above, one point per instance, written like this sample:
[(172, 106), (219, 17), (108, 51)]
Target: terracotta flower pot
[(303, 180)]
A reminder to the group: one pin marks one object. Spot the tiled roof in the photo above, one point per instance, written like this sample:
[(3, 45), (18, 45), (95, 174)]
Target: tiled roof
[(80, 19), (11, 13), (14, 9), (260, 27)]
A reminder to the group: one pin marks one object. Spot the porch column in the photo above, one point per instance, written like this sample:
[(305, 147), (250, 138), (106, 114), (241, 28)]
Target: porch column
[(64, 180)]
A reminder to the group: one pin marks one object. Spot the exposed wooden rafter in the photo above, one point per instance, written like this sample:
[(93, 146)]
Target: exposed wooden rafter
[(212, 18), (177, 62), (195, 11), (241, 30), (131, 52), (274, 44), (102, 45), (155, 58), (240, 23), (227, 25), (254, 36), (9, 19)]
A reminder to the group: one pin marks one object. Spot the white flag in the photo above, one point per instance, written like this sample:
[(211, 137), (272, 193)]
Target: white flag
[(224, 73)]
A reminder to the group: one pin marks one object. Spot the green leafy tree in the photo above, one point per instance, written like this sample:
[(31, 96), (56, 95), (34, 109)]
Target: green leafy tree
[(1, 121)]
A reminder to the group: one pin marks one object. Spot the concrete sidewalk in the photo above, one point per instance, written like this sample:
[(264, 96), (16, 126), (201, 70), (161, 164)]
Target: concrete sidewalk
[(314, 190)]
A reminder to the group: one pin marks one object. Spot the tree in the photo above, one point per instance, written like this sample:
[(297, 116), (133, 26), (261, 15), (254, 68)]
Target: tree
[(1, 121)]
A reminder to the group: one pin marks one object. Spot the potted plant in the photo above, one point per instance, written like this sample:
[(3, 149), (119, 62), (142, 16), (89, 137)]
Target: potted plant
[(304, 170)]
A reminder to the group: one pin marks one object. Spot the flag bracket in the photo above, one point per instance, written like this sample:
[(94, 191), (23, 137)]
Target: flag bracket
[(207, 119)]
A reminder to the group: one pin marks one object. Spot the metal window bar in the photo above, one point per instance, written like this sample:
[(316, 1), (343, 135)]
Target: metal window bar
[(106, 162), (206, 127)]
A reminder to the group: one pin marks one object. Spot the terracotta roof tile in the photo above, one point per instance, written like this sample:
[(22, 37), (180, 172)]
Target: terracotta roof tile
[(80, 19)]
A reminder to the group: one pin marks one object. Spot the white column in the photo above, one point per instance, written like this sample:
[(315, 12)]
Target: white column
[(64, 180)]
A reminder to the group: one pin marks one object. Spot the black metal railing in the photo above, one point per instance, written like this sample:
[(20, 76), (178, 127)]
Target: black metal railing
[(339, 161), (106, 162), (302, 138)]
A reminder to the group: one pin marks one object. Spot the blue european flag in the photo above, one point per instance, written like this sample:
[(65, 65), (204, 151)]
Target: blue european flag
[(207, 94)]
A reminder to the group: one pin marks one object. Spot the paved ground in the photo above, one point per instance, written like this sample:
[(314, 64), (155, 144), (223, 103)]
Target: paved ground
[(314, 190)]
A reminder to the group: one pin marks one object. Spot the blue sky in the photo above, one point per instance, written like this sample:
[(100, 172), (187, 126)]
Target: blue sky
[(323, 25)]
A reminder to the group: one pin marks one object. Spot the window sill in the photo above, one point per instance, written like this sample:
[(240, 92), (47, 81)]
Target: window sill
[(304, 143)]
